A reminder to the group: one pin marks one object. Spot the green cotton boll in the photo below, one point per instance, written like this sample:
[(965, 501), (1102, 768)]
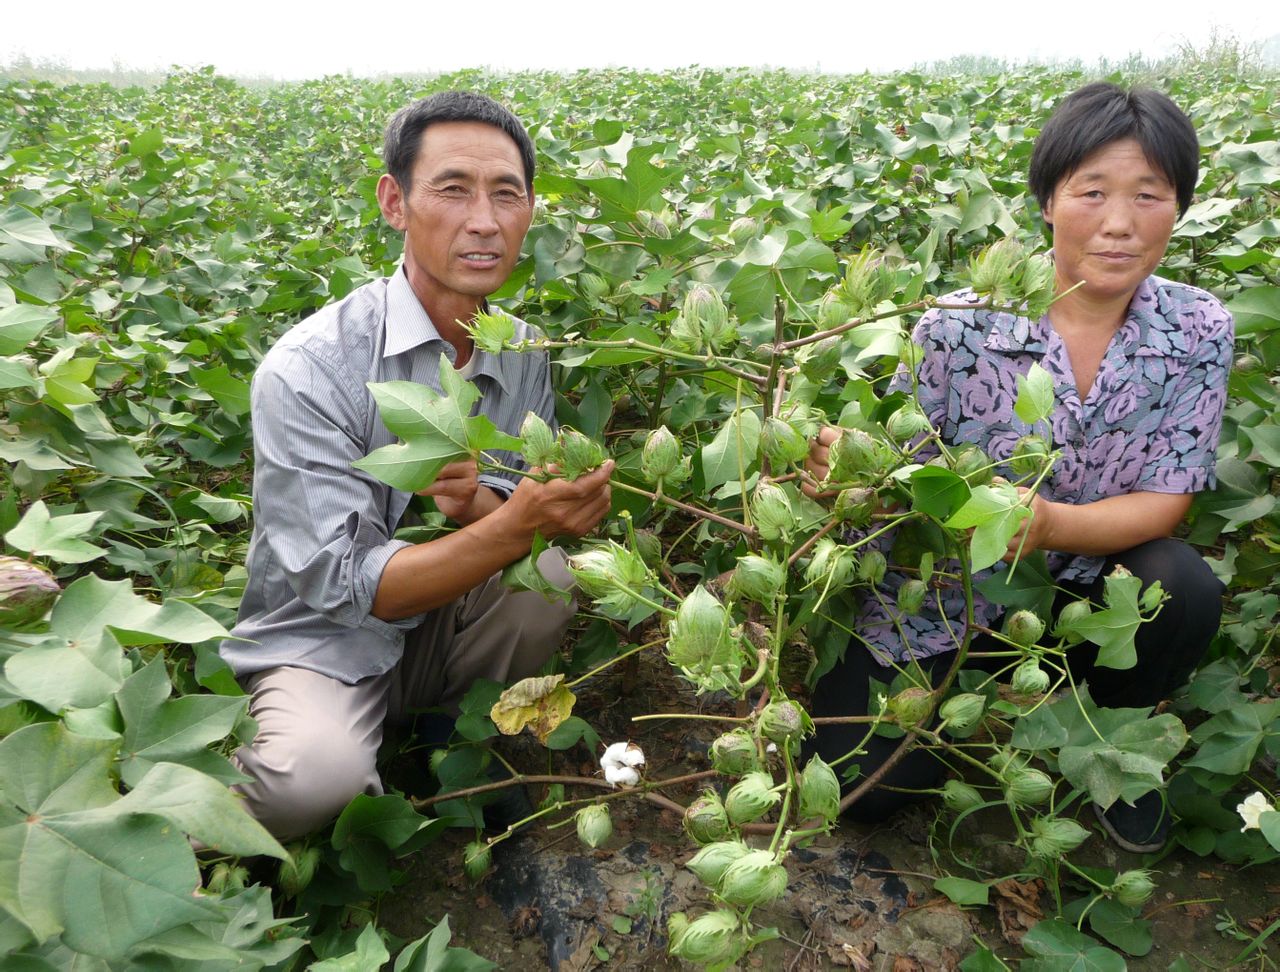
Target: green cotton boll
[(477, 858), (771, 511), (872, 567), (911, 596), (1055, 836), (492, 331), (711, 939), (960, 797), (995, 270), (867, 281), (911, 706), (973, 465), (1027, 786), (1038, 285), (818, 361), (910, 355), (854, 455), (706, 820), (296, 871), (226, 878), (27, 592), (649, 547), (751, 798), (782, 444), (744, 229), (579, 454), (907, 423), (705, 314), (834, 310), (1024, 628), (1152, 597), (611, 575), (819, 791), (855, 505), (1030, 453), (710, 863), (701, 643), (1029, 678), (538, 443), (754, 879), (685, 334), (963, 712), (832, 566), (1068, 618), (734, 753), (756, 578), (594, 824), (661, 454), (783, 722), (1133, 888)]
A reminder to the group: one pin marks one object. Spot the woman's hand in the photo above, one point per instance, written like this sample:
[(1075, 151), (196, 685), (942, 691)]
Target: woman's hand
[(818, 463), (1034, 531)]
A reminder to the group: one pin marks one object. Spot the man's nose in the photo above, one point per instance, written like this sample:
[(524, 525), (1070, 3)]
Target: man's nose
[(482, 217)]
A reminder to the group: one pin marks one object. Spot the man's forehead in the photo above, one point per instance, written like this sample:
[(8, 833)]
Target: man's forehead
[(449, 144)]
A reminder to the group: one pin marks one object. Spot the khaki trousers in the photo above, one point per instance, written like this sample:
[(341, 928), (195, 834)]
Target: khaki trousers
[(318, 737)]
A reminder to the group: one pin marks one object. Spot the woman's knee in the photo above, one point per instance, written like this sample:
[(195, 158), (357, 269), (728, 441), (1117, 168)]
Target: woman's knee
[(1182, 572)]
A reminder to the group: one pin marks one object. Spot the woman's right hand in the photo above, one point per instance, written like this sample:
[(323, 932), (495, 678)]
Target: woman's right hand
[(818, 463)]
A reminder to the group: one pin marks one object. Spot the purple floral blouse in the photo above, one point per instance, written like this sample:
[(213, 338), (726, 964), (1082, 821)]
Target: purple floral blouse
[(1150, 423)]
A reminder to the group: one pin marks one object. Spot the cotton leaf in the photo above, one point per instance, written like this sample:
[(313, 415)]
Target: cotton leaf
[(539, 703)]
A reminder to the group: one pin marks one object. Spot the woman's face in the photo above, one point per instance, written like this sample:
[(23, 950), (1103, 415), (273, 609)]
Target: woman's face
[(1112, 219)]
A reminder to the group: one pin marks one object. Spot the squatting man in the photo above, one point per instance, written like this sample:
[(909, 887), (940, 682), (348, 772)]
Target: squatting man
[(342, 626)]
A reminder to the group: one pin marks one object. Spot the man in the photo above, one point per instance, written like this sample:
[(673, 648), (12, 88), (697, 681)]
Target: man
[(345, 625)]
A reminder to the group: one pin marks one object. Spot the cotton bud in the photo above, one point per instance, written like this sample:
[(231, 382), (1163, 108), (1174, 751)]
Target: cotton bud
[(612, 576), (872, 567), (704, 320), (960, 797), (649, 547), (1152, 597), (855, 505), (706, 820), (297, 870), (771, 511), (782, 444), (832, 566), (911, 706), (1055, 836), (1246, 364), (854, 454), (701, 643), (911, 596), (994, 271), (819, 791), (1133, 888), (974, 465), (962, 712), (657, 224), (436, 760), (711, 939), (709, 864), (1068, 618), (755, 878), (661, 454), (818, 361), (594, 824), (1029, 455), (756, 578), (906, 424), (734, 753), (1029, 678), (593, 285), (492, 331), (579, 454), (226, 878), (1027, 786), (867, 281), (26, 592), (783, 722), (538, 442), (751, 797), (744, 228), (477, 858), (910, 355), (1038, 285), (834, 310), (1024, 628)]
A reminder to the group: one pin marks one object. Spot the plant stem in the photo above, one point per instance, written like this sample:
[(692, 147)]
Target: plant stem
[(612, 661), (695, 511)]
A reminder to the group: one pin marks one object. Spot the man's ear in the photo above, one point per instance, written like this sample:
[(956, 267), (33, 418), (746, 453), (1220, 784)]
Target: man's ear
[(391, 202)]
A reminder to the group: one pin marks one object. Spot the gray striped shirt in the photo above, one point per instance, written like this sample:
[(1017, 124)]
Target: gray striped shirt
[(322, 531)]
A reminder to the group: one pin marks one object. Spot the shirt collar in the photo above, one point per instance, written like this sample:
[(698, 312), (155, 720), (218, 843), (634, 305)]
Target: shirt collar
[(409, 326)]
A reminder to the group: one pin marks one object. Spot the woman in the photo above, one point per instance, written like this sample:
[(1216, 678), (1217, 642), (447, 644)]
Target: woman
[(1140, 369)]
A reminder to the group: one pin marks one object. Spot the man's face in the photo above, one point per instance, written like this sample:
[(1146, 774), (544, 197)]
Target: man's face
[(464, 213)]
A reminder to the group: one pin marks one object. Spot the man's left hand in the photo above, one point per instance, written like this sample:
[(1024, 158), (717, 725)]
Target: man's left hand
[(456, 491)]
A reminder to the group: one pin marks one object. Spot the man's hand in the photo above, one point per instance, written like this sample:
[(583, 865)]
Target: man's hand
[(817, 464), (455, 491), (560, 508)]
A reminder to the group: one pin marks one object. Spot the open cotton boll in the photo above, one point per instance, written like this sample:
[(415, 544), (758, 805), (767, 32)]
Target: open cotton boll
[(621, 775), (620, 762)]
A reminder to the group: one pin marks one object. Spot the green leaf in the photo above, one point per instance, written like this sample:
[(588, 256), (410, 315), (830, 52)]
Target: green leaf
[(21, 324), (90, 603), (1256, 310), (228, 391), (369, 955), (56, 537), (962, 891), (44, 769), (1027, 586), (144, 143), (24, 226), (61, 671), (1112, 629), (1057, 946), (1128, 762), (1269, 824), (14, 373), (569, 732), (1228, 743), (733, 449), (523, 575), (1121, 926), (369, 828), (433, 953), (1035, 395), (994, 513), (938, 492)]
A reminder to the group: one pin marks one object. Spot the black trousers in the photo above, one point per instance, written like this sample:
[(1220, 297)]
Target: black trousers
[(1168, 649)]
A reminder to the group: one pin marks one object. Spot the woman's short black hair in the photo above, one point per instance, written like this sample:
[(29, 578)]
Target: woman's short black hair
[(404, 130), (1101, 113)]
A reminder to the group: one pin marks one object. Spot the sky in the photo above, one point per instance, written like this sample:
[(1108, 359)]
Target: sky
[(291, 40)]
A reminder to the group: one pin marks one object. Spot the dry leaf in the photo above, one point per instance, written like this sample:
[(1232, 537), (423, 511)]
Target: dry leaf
[(540, 704)]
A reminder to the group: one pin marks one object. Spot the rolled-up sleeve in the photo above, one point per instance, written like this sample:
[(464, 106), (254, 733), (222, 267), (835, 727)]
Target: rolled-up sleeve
[(325, 523)]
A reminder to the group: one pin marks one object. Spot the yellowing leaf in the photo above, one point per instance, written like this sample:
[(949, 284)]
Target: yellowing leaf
[(539, 703)]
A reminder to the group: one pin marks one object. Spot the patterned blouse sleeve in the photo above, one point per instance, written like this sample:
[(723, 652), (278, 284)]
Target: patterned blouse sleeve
[(931, 334), (1185, 445)]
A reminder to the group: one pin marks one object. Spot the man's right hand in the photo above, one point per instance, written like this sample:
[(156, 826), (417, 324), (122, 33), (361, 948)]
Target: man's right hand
[(818, 463), (560, 507)]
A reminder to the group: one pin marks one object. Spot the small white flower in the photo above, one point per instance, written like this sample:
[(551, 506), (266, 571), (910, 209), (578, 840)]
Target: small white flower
[(1253, 807), (771, 748), (620, 762)]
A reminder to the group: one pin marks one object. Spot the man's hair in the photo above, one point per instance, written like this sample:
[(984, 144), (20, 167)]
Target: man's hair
[(404, 130), (1101, 113)]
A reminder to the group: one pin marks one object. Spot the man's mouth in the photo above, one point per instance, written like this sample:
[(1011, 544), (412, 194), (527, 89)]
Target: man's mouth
[(481, 258), (1115, 255)]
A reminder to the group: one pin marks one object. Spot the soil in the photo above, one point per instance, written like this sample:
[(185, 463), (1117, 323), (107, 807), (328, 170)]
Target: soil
[(861, 897)]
